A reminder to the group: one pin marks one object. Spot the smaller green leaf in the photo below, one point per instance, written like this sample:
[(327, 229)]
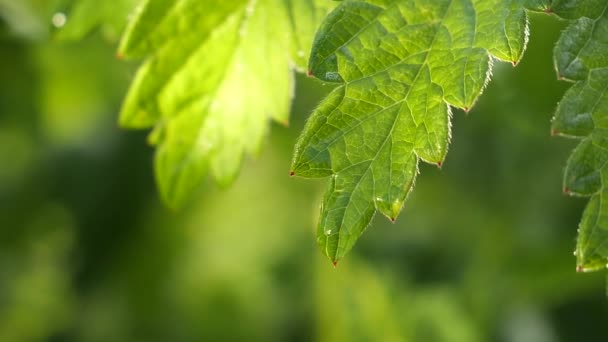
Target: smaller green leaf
[(582, 47), (581, 110), (583, 171), (591, 246)]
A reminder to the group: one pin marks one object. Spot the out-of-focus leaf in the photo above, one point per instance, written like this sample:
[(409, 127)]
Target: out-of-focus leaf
[(402, 65), (83, 16), (217, 72), (581, 55), (37, 297)]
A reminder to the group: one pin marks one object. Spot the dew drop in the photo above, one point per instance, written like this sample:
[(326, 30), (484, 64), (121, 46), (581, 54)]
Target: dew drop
[(59, 19)]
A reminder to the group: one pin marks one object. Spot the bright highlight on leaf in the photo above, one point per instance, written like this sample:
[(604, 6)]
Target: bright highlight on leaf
[(216, 73), (581, 56), (402, 65)]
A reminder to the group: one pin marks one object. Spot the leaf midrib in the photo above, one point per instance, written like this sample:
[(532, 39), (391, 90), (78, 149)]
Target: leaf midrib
[(391, 131), (372, 115)]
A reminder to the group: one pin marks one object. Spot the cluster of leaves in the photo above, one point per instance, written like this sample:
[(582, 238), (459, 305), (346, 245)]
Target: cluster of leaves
[(581, 56), (200, 55), (400, 66)]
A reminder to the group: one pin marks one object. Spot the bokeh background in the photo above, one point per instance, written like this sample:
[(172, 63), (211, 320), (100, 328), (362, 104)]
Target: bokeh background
[(482, 251)]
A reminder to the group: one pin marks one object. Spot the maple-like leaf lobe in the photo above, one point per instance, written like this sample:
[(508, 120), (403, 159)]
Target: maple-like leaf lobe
[(401, 66)]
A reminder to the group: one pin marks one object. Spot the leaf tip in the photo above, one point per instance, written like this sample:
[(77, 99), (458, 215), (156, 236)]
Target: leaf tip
[(554, 132), (567, 191), (309, 73), (335, 263), (393, 220), (440, 164), (580, 269), (292, 173)]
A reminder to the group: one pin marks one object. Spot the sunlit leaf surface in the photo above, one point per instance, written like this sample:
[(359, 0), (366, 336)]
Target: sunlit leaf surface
[(402, 66), (216, 73)]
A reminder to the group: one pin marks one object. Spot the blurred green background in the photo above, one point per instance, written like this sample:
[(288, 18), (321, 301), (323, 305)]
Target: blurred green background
[(482, 251)]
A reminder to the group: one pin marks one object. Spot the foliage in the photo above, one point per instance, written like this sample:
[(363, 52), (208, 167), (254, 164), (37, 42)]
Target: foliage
[(403, 65), (581, 56), (87, 252), (188, 94)]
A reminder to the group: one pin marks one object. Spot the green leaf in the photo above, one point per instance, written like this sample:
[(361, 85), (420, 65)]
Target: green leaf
[(581, 55), (572, 9), (402, 66), (216, 73), (83, 16)]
